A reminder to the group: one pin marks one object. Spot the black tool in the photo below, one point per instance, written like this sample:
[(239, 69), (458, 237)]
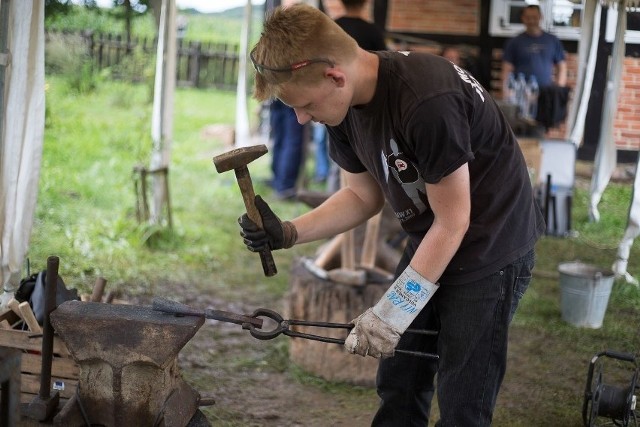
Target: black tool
[(254, 323), (174, 307), (283, 327)]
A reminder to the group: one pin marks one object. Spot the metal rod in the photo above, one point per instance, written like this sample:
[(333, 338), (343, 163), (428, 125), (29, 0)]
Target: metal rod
[(51, 282)]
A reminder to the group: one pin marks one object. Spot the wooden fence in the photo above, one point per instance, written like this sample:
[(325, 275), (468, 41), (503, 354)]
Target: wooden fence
[(200, 65)]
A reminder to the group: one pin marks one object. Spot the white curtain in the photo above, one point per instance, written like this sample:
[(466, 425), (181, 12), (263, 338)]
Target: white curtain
[(587, 55), (606, 153), (22, 134), (163, 96), (605, 161)]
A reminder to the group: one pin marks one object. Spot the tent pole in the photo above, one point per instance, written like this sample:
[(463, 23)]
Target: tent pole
[(4, 58)]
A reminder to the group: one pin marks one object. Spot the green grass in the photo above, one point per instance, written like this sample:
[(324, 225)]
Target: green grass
[(206, 28), (86, 203), (86, 216)]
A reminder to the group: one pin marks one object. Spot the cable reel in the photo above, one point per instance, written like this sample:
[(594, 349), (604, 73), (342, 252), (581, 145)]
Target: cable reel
[(616, 403)]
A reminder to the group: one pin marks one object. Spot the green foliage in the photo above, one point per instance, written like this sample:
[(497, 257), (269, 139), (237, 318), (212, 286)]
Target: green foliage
[(67, 55), (205, 28)]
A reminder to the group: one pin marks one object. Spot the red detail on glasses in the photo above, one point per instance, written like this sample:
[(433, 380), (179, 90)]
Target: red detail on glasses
[(299, 65)]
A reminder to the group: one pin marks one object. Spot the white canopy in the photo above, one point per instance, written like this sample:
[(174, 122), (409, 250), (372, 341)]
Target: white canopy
[(605, 161), (21, 130)]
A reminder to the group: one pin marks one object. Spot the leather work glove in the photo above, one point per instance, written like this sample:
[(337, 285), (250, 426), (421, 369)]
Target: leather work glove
[(276, 234), (377, 331)]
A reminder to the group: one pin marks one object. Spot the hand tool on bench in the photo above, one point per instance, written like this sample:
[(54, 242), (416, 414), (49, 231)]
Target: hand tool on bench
[(370, 252), (238, 159), (347, 273), (44, 404), (173, 307)]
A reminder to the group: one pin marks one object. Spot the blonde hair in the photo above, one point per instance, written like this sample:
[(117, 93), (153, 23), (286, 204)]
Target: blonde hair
[(298, 33)]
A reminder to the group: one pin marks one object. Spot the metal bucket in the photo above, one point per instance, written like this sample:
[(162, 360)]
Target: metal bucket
[(584, 293)]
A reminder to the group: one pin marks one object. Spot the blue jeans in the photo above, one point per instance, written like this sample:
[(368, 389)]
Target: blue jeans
[(473, 321), (322, 155), (287, 150)]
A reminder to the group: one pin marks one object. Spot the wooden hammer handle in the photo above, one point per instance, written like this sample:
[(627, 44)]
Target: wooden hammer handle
[(249, 197)]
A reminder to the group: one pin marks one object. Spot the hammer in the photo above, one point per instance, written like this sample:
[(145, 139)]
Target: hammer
[(238, 159)]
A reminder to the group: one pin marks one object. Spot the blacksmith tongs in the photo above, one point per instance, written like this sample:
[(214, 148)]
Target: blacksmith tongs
[(254, 324)]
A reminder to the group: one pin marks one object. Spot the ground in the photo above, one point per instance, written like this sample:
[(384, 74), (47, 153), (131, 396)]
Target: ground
[(251, 380)]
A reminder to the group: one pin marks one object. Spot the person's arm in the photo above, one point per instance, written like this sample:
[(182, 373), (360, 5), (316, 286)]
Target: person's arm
[(357, 201), (561, 73), (350, 206), (450, 201), (507, 68), (377, 331)]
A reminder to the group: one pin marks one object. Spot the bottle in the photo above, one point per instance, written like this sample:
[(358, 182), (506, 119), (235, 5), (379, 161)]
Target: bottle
[(521, 96), (533, 93), (510, 89)]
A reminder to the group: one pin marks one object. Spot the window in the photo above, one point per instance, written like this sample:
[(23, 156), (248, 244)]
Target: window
[(559, 17), (632, 34)]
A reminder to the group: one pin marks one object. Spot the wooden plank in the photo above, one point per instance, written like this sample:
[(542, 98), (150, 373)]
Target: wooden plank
[(30, 383), (62, 367), (9, 316), (29, 341)]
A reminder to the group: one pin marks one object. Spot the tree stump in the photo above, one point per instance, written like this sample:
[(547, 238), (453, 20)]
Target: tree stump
[(315, 299)]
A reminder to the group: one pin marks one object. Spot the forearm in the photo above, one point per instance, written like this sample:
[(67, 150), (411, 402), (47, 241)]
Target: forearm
[(438, 247), (562, 74), (342, 211)]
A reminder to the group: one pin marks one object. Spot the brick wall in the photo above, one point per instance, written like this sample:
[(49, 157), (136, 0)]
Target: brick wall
[(460, 17), (627, 122)]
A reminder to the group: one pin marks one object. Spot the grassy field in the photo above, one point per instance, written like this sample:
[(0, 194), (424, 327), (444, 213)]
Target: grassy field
[(86, 216)]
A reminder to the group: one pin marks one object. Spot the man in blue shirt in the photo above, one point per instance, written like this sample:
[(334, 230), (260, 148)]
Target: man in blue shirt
[(535, 52)]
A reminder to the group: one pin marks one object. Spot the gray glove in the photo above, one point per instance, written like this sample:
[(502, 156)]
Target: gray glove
[(276, 234), (377, 331), (371, 336)]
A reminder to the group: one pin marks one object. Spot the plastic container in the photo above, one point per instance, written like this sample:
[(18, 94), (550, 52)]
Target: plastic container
[(584, 293)]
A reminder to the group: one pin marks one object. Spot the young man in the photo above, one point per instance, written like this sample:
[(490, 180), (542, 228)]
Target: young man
[(422, 133)]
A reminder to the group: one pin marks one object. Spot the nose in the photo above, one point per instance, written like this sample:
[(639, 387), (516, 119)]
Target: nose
[(302, 117)]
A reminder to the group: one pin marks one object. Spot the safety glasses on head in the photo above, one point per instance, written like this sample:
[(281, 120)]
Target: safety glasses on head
[(280, 75)]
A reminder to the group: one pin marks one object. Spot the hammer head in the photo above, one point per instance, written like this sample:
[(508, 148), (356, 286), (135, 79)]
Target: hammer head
[(238, 157)]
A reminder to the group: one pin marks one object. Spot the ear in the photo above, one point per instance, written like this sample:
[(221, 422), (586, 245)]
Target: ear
[(338, 77)]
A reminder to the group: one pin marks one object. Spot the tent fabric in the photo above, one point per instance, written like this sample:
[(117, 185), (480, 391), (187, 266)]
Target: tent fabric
[(162, 114), (632, 231), (605, 161), (22, 136), (587, 55)]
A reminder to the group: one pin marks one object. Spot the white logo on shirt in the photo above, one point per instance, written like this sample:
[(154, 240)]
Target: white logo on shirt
[(467, 78)]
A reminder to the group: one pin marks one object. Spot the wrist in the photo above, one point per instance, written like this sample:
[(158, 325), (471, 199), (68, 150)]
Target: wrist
[(404, 299), (290, 234)]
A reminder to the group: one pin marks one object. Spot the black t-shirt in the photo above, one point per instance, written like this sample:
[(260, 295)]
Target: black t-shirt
[(368, 36), (426, 119)]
